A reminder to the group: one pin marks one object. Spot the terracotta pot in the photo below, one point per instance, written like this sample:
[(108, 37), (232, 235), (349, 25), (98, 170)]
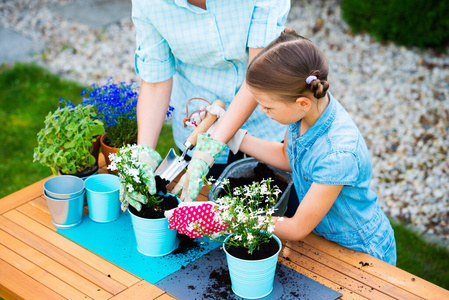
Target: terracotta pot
[(106, 150)]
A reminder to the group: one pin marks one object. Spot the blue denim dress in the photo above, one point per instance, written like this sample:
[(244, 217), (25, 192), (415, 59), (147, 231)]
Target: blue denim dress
[(333, 152)]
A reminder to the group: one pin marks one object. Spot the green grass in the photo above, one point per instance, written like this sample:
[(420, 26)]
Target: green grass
[(421, 258), (28, 93)]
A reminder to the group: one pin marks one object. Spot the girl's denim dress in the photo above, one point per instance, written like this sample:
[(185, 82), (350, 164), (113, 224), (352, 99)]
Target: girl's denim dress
[(333, 152)]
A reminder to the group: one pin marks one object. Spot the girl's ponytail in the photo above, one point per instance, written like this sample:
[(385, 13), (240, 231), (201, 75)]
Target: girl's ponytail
[(317, 86), (288, 31)]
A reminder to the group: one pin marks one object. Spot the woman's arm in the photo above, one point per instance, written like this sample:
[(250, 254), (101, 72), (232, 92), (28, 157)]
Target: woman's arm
[(241, 107), (152, 105), (310, 212), (271, 153)]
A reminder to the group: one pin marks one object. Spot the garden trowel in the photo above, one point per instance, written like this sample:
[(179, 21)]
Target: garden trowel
[(173, 164)]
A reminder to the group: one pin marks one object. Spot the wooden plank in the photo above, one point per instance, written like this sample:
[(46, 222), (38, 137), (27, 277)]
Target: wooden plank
[(23, 285), (53, 267), (347, 294), (36, 214), (356, 273), (5, 293), (387, 272), (102, 162), (76, 264), (41, 204), (333, 275), (95, 261), (39, 274), (141, 290), (166, 297), (22, 196)]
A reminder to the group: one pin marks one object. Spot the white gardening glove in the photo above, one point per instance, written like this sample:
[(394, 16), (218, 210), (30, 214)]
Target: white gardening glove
[(196, 118), (207, 149)]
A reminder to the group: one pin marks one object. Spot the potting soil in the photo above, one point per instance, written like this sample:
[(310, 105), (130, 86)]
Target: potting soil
[(261, 172), (265, 250), (156, 212)]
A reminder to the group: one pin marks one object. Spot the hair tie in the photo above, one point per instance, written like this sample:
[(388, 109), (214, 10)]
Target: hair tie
[(310, 79)]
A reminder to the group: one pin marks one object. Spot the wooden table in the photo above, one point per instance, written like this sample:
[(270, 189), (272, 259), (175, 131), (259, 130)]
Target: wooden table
[(36, 262)]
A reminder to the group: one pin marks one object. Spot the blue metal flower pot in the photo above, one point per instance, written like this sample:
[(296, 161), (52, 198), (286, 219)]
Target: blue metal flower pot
[(153, 236), (102, 192), (252, 279)]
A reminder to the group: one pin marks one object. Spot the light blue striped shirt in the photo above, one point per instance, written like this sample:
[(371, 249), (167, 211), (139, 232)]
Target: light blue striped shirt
[(206, 53)]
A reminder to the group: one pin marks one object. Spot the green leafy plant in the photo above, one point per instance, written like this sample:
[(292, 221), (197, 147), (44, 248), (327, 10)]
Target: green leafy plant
[(65, 142), (405, 22), (246, 213)]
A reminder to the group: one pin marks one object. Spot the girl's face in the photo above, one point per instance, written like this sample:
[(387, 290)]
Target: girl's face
[(283, 112)]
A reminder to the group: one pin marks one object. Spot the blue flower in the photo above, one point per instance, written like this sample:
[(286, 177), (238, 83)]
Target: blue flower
[(116, 107)]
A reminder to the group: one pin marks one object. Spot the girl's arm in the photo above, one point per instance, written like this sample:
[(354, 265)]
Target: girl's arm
[(241, 107), (310, 212), (152, 106), (271, 153)]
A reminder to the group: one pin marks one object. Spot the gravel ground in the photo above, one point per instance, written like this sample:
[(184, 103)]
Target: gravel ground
[(398, 96)]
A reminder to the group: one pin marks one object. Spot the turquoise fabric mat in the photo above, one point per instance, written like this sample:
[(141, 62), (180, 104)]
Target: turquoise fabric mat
[(115, 241)]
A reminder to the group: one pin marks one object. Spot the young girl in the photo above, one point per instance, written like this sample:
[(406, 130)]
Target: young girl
[(323, 149)]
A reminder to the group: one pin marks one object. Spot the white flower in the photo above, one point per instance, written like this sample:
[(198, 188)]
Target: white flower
[(241, 217), (250, 236), (226, 216), (270, 228), (277, 192), (112, 166), (210, 181)]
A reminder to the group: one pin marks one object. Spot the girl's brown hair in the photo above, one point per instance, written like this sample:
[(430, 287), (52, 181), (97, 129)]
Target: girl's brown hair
[(283, 66)]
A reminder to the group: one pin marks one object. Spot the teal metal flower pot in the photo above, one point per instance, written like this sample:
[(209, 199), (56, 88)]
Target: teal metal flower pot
[(102, 192), (252, 279), (153, 236)]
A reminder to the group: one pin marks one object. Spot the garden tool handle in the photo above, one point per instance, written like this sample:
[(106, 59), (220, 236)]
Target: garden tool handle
[(203, 126)]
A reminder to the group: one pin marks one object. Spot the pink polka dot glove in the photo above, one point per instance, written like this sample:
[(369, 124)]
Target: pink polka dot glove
[(191, 182), (187, 214), (148, 159)]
